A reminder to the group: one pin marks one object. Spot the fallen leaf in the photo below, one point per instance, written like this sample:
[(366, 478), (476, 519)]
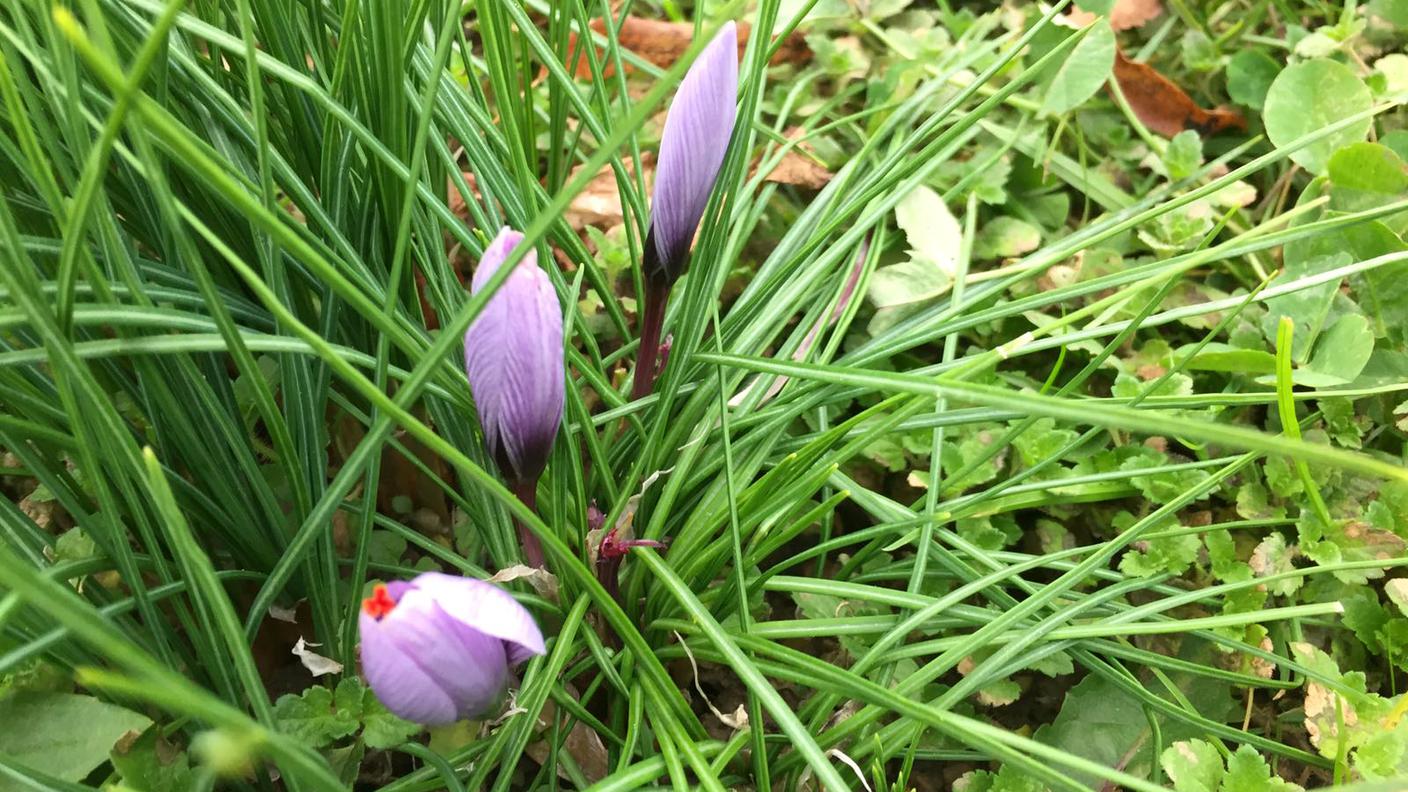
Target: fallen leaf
[(599, 204), (457, 199), (738, 721), (289, 615), (1125, 15), (801, 171), (583, 744), (316, 664), (799, 167), (1165, 108), (542, 581), (662, 43)]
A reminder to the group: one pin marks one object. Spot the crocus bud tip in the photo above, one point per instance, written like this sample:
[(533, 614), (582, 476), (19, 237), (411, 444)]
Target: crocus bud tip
[(692, 147)]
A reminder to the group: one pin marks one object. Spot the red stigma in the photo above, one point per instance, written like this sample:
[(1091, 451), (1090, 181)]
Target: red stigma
[(612, 546), (379, 603)]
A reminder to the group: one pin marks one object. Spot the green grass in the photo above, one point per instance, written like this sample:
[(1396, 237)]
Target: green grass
[(939, 549)]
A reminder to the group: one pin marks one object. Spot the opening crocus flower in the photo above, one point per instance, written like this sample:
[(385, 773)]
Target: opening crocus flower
[(692, 147), (439, 648), (513, 356)]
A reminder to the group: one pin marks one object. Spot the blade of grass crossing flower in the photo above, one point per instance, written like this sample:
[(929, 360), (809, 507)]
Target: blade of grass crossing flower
[(448, 26)]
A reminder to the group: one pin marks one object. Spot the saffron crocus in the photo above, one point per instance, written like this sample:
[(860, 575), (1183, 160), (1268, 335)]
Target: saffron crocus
[(439, 648), (513, 356), (692, 147), (697, 131)]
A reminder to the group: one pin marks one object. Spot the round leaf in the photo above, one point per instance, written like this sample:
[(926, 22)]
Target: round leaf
[(64, 735), (1087, 68), (1249, 76), (1309, 96)]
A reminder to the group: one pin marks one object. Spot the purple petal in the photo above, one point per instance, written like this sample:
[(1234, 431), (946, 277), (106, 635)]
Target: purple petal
[(485, 608), (397, 680), (514, 359), (469, 667), (692, 147)]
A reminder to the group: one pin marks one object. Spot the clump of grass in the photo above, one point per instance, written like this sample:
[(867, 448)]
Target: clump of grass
[(1048, 491)]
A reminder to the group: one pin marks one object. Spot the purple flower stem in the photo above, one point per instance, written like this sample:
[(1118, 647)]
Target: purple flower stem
[(527, 491), (608, 571), (652, 320)]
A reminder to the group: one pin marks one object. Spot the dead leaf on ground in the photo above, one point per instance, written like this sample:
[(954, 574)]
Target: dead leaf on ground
[(1125, 15), (583, 744), (798, 166), (662, 43), (1165, 108), (457, 200), (600, 203), (316, 664), (542, 581), (289, 615), (738, 719)]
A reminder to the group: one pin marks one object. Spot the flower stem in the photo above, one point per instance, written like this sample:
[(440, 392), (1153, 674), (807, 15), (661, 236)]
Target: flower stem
[(608, 571), (652, 319), (527, 491)]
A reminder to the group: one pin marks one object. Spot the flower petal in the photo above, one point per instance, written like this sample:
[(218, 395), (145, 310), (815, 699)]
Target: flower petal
[(471, 667), (398, 681), (692, 147), (514, 359), (486, 608)]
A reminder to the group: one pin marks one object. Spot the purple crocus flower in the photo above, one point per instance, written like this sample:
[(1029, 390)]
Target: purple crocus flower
[(692, 147), (513, 355), (439, 648)]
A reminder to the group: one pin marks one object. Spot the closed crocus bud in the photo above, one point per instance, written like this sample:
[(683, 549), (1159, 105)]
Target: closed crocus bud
[(439, 648), (692, 148), (513, 355)]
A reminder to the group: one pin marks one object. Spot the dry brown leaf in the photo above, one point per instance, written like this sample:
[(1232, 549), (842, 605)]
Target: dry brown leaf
[(736, 721), (1165, 108), (798, 167), (662, 43), (583, 744), (316, 664), (542, 581), (289, 615), (40, 512), (600, 203), (457, 199), (1125, 15), (800, 170)]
